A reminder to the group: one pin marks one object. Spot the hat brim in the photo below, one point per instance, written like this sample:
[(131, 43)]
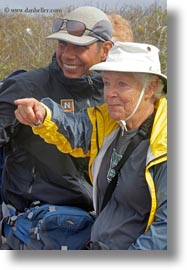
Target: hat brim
[(64, 36), (118, 67)]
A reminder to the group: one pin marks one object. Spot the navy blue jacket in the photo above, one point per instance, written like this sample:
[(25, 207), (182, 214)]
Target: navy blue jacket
[(1, 169), (28, 177)]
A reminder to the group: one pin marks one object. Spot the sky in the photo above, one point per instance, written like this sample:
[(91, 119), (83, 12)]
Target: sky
[(7, 5)]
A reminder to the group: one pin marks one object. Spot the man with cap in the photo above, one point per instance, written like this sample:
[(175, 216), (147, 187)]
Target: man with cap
[(33, 170), (126, 139)]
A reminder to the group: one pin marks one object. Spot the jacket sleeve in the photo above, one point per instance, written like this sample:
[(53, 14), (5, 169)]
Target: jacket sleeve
[(9, 91), (156, 237), (1, 167), (70, 132)]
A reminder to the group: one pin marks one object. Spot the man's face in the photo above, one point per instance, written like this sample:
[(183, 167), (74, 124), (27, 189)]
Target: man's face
[(75, 60)]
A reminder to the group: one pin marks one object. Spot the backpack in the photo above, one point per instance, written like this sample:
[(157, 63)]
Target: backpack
[(48, 227)]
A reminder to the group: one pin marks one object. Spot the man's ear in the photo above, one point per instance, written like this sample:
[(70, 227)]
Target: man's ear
[(106, 46)]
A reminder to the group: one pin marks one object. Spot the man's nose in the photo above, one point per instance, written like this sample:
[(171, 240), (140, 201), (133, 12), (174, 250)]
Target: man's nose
[(69, 51)]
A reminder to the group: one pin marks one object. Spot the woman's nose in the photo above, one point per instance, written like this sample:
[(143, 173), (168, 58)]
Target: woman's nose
[(110, 92)]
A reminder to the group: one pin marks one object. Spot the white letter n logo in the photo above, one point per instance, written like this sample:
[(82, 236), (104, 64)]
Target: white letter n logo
[(67, 104)]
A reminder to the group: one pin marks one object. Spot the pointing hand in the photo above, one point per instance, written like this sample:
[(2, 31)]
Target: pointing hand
[(30, 111)]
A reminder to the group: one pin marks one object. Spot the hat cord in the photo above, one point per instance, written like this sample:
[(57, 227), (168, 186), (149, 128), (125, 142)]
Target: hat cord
[(123, 122)]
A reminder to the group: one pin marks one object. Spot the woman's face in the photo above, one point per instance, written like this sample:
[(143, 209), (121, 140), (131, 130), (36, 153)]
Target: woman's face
[(121, 93)]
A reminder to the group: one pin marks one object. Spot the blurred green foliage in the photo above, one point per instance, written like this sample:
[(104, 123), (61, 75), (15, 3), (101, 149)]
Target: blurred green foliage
[(23, 38)]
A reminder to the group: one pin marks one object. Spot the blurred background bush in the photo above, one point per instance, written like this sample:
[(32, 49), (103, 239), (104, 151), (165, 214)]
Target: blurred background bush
[(23, 37)]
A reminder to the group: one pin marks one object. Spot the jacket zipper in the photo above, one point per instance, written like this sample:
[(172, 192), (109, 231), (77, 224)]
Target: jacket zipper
[(90, 82)]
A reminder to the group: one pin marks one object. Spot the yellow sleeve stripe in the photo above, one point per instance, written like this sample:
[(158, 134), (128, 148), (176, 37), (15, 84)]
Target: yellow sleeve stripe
[(48, 130)]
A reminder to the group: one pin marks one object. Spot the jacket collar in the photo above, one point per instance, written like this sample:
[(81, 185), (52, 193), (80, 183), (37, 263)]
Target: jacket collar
[(158, 140), (94, 80)]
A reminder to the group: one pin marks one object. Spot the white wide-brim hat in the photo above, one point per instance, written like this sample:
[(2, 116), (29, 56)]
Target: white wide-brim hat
[(133, 57)]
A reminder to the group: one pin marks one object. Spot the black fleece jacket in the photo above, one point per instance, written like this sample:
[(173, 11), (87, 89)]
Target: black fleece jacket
[(35, 170)]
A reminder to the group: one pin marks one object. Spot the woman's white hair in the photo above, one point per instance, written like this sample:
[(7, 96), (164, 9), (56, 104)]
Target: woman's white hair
[(147, 78)]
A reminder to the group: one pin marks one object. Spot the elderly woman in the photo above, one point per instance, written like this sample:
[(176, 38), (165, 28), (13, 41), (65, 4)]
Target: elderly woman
[(133, 213)]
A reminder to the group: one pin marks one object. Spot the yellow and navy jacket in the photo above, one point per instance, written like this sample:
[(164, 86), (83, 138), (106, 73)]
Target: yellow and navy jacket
[(82, 135)]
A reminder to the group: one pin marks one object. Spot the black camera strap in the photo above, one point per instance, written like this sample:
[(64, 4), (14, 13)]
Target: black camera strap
[(142, 134)]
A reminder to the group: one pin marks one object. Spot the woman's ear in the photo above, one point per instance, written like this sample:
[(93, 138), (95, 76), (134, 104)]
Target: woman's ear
[(152, 87), (106, 46)]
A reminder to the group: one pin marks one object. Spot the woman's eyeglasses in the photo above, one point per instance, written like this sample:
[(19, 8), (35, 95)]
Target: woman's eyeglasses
[(74, 28)]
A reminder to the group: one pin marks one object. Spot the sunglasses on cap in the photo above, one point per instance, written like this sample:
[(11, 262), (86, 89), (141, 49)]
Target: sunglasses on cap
[(73, 27)]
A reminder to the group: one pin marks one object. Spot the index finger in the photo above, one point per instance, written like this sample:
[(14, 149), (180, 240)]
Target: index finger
[(25, 101)]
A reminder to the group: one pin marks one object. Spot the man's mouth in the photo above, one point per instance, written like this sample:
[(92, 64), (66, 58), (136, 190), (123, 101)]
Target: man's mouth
[(71, 66)]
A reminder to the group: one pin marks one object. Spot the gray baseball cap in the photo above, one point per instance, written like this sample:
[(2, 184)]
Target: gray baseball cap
[(94, 19)]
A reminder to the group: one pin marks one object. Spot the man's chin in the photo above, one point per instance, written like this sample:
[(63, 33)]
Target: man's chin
[(72, 75)]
